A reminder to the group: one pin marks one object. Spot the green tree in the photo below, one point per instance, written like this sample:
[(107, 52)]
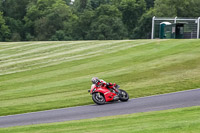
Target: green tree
[(4, 30), (45, 17), (108, 10), (1, 6), (14, 12), (97, 3), (143, 28), (16, 27), (165, 8), (81, 5), (132, 10), (191, 10), (15, 8), (107, 24), (68, 2), (83, 24), (150, 3), (107, 28), (115, 2), (181, 8)]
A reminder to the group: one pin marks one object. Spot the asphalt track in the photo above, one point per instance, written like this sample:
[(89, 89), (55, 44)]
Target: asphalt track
[(144, 104)]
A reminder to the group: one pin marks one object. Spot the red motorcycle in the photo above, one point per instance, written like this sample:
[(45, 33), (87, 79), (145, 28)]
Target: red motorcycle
[(101, 95)]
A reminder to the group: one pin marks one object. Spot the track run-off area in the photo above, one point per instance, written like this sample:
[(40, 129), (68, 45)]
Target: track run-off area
[(47, 81), (144, 104)]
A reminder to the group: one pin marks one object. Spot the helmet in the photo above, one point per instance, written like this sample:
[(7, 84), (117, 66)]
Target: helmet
[(95, 80)]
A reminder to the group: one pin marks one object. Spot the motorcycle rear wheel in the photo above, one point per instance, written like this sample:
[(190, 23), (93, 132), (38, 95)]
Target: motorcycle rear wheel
[(98, 98), (123, 96)]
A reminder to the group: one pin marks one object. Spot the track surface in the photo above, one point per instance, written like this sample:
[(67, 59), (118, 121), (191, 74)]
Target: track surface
[(144, 104)]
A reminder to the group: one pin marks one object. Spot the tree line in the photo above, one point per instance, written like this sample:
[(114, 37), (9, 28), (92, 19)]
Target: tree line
[(43, 20)]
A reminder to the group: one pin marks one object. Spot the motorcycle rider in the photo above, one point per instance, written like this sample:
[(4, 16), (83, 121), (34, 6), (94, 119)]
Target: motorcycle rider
[(101, 83)]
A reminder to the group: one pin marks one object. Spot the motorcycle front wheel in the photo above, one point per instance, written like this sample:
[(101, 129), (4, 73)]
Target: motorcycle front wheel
[(123, 96), (98, 98)]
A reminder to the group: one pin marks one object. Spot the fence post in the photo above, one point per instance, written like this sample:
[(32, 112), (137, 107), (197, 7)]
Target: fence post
[(152, 33), (198, 27), (175, 19)]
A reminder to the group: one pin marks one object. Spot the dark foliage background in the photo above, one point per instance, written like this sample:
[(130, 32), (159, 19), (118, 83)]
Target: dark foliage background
[(43, 20)]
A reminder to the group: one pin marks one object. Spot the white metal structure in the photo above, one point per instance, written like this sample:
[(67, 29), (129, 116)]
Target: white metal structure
[(195, 22), (198, 27)]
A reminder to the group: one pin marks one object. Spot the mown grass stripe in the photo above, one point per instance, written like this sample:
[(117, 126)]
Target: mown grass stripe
[(73, 57), (6, 66), (64, 47), (22, 46), (43, 53), (42, 48)]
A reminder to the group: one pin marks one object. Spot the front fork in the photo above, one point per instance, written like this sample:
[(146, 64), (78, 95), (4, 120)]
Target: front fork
[(117, 90)]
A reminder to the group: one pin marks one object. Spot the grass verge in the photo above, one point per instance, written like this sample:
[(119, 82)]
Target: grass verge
[(184, 120)]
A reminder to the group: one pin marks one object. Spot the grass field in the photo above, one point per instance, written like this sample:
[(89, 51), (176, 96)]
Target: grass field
[(38, 76), (185, 120)]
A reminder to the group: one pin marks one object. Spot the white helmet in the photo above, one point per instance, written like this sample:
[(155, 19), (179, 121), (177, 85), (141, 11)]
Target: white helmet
[(95, 80)]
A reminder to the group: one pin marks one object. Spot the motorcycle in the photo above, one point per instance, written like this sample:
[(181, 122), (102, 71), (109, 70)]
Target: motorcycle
[(101, 95)]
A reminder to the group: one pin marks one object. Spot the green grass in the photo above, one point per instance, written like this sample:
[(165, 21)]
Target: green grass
[(38, 76), (185, 120)]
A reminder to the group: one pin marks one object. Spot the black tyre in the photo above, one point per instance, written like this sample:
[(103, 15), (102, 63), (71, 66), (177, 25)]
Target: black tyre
[(123, 96), (98, 98)]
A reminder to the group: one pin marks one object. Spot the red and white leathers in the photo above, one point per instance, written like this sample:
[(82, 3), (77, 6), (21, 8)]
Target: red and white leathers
[(102, 83)]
